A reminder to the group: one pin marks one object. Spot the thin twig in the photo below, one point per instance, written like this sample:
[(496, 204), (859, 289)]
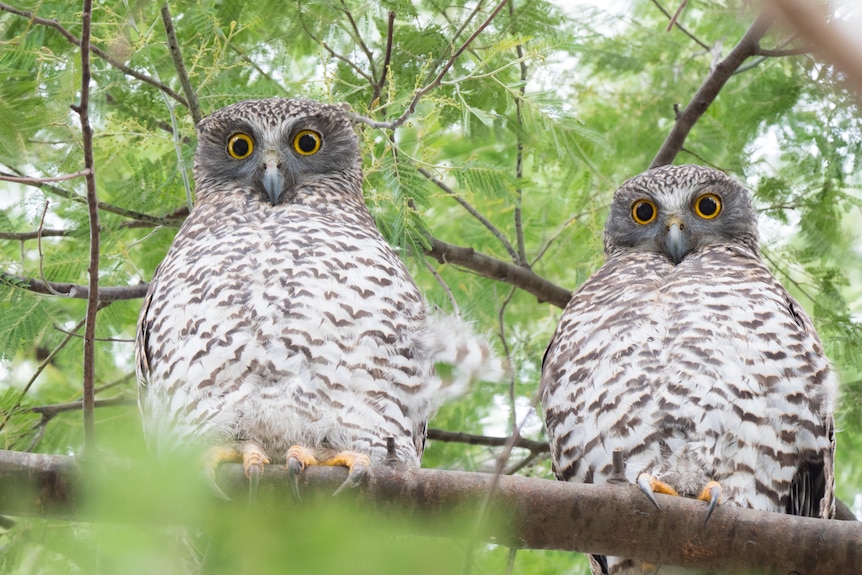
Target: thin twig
[(41, 367), (49, 412), (519, 156), (472, 211), (24, 236), (83, 110), (108, 339), (676, 14), (335, 54), (452, 301), (419, 93), (32, 181), (39, 248), (501, 320), (176, 54), (58, 191), (488, 441), (368, 54), (681, 28), (95, 50)]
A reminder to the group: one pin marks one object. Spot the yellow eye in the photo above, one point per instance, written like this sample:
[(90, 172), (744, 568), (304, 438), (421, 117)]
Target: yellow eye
[(240, 146), (644, 211), (307, 142), (707, 206)]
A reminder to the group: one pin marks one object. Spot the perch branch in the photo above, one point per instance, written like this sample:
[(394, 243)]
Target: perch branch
[(531, 513), (106, 294)]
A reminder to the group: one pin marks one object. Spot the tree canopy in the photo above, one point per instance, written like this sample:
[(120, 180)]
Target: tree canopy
[(494, 135)]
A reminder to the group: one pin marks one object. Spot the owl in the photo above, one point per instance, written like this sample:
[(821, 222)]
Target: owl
[(281, 326), (684, 352)]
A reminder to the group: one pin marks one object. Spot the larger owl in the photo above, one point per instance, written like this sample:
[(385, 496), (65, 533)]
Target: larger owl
[(685, 352), (281, 326)]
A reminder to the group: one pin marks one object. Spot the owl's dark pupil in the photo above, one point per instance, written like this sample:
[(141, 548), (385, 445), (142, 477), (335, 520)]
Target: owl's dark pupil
[(644, 212), (708, 206), (307, 143), (240, 147)]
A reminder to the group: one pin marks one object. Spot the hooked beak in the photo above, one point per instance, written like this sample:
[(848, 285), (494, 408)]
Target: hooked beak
[(273, 179), (675, 243)]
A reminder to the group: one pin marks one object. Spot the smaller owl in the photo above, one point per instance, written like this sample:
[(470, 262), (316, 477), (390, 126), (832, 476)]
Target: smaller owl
[(281, 326), (684, 352)]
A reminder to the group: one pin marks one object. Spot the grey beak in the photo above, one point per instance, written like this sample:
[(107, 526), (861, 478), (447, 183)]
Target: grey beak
[(675, 242), (273, 180)]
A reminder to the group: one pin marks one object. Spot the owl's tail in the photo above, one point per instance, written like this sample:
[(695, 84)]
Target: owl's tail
[(460, 356)]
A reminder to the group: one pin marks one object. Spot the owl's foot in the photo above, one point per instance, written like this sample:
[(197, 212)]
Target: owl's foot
[(649, 485), (711, 493), (298, 458), (253, 458)]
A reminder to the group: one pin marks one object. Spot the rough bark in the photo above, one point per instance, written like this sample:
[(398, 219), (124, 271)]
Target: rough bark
[(529, 513)]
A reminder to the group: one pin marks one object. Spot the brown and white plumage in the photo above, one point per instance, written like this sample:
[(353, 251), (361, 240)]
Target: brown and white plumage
[(280, 316), (684, 351)]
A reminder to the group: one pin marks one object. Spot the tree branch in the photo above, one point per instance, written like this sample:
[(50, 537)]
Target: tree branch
[(35, 181), (472, 439), (680, 27), (531, 513), (83, 110), (418, 94), (176, 54), (387, 58), (709, 90), (472, 211), (106, 294), (97, 51), (515, 275)]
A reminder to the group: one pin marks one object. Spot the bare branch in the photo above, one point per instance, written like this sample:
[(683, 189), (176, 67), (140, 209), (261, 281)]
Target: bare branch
[(471, 439), (515, 275), (34, 181), (41, 367), (360, 41), (83, 110), (24, 236), (387, 58), (106, 294), (176, 54), (97, 51), (472, 211), (519, 157), (49, 412), (708, 91), (69, 195), (418, 94), (681, 28), (533, 513), (675, 17)]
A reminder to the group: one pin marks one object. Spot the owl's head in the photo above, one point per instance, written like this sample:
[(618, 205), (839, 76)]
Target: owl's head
[(277, 146), (675, 210)]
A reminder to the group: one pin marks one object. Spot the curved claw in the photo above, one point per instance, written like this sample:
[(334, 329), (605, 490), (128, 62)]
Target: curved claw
[(645, 485), (711, 493), (354, 477), (217, 491), (294, 468), (254, 472)]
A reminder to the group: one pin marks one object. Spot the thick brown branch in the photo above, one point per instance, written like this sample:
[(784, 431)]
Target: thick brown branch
[(106, 294), (530, 513), (518, 276), (708, 91)]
